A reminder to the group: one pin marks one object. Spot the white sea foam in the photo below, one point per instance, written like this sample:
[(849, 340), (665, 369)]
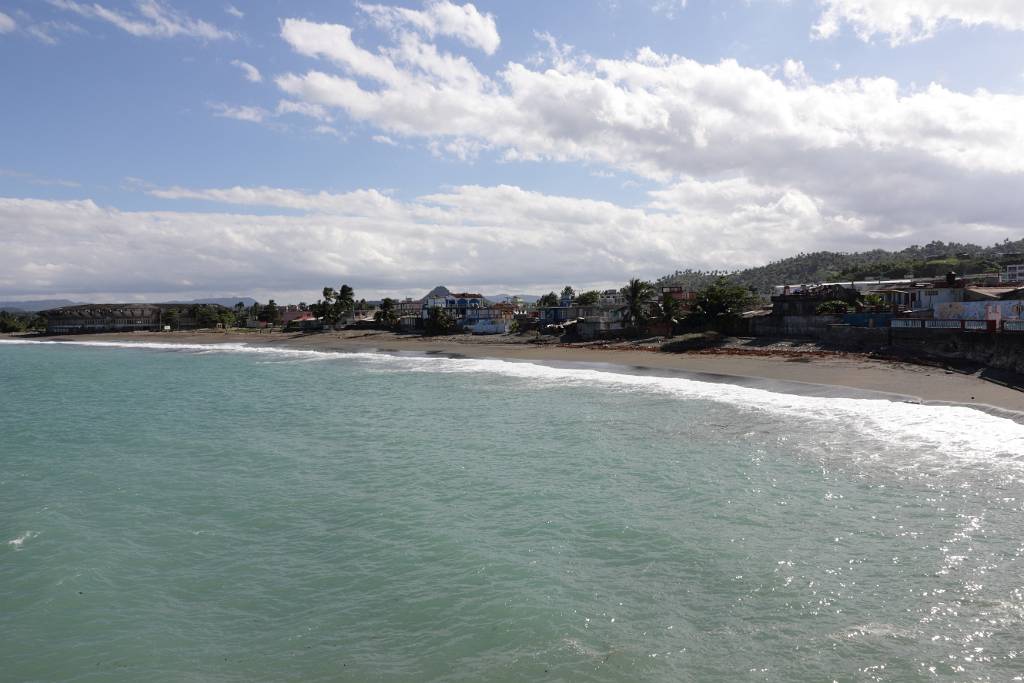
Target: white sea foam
[(18, 542), (953, 433)]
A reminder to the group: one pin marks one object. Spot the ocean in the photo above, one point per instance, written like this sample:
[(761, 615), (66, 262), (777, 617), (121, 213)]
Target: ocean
[(228, 513)]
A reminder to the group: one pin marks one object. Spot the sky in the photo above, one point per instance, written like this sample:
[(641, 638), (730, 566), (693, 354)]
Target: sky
[(158, 149)]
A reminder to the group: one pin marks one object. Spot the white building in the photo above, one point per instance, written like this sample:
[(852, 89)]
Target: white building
[(612, 297), (1014, 273)]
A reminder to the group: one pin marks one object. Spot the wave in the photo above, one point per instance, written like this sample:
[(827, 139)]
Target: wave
[(951, 433), (18, 542)]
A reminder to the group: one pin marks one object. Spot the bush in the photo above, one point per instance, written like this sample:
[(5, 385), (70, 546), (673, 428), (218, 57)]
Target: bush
[(439, 322), (834, 307)]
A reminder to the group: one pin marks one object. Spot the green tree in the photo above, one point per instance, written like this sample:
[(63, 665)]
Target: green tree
[(549, 300), (171, 318), (328, 309), (721, 303), (206, 316), (588, 298), (834, 307), (386, 315), (638, 294), (271, 313), (10, 322), (439, 322), (873, 300), (669, 310), (568, 292), (344, 303), (227, 318)]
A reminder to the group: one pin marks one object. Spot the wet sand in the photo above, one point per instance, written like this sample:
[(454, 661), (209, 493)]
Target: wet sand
[(805, 373)]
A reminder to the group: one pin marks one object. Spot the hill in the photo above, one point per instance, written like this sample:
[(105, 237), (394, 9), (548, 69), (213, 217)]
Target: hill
[(933, 259), (36, 305)]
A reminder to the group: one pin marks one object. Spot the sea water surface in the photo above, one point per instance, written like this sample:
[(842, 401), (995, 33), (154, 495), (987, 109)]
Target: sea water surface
[(199, 513)]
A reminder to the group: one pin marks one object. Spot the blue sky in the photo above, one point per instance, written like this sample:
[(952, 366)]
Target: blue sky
[(158, 148)]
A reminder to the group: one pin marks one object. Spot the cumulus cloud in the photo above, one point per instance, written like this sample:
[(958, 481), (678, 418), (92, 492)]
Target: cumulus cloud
[(441, 17), (285, 240), (655, 115), (151, 19), (906, 21), (234, 11), (890, 158), (7, 24), (252, 74)]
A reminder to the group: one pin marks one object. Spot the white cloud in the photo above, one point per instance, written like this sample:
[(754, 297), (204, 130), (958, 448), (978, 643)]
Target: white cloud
[(49, 32), (234, 11), (252, 74), (894, 162), (244, 113), (359, 202), (507, 236), (324, 129), (795, 72), (313, 111), (7, 24), (152, 19), (384, 140), (441, 17), (668, 8), (906, 21), (655, 115)]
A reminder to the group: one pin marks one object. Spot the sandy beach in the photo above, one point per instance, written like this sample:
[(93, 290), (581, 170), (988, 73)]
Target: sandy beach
[(813, 373)]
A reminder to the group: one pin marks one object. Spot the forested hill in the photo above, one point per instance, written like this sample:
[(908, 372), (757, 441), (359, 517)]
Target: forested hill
[(934, 259)]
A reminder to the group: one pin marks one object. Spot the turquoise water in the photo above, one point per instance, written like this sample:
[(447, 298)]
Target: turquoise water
[(233, 514)]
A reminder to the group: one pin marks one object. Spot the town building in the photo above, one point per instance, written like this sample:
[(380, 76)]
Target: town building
[(805, 300), (612, 297), (95, 318), (1013, 273), (685, 299)]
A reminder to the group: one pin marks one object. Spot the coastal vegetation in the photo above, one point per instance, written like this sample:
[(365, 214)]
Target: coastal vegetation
[(548, 300), (20, 321), (386, 314), (931, 260), (438, 322), (335, 304), (638, 295), (720, 304)]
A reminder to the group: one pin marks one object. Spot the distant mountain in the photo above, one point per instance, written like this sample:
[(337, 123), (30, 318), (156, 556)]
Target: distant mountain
[(931, 260), (438, 291), (498, 298), (33, 306)]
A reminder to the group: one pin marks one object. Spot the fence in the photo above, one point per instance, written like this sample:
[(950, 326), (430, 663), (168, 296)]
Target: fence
[(966, 325)]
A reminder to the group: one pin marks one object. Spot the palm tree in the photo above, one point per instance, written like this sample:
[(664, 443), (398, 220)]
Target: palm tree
[(328, 308), (638, 294), (386, 315), (344, 301), (669, 311)]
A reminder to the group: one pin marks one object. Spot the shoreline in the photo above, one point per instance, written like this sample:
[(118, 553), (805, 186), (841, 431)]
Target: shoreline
[(813, 374)]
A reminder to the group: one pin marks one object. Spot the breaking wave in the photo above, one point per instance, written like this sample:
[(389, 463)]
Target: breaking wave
[(953, 433)]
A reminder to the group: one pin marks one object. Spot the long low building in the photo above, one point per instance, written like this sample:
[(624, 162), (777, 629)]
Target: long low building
[(94, 318)]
